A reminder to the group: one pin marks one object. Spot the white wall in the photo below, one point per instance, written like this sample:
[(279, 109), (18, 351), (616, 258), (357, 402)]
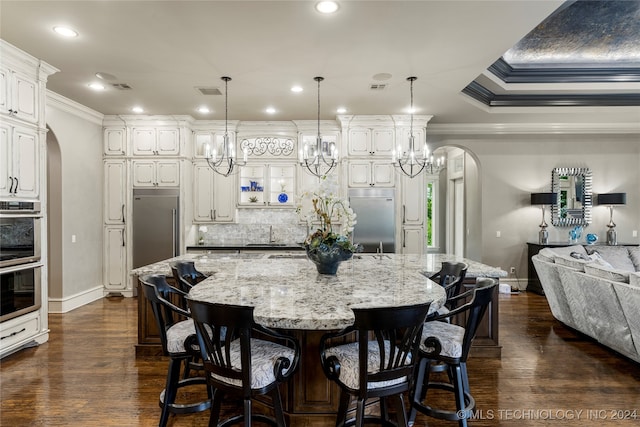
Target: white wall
[(512, 167), (78, 131)]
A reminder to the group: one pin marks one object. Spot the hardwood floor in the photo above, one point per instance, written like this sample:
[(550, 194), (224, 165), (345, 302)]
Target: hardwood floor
[(87, 374)]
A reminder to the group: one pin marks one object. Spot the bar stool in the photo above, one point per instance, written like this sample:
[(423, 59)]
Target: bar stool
[(179, 343), (449, 344)]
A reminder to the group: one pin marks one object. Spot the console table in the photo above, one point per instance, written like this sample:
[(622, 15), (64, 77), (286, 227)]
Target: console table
[(532, 276)]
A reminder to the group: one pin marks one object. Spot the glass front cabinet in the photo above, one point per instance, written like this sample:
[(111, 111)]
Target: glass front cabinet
[(271, 185)]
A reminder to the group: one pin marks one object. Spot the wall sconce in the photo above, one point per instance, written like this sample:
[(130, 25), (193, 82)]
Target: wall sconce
[(543, 199), (612, 199)]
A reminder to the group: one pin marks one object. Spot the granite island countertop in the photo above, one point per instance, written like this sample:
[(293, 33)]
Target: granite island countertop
[(287, 292)]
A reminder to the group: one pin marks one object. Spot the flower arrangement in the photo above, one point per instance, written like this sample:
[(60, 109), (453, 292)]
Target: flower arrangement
[(326, 207)]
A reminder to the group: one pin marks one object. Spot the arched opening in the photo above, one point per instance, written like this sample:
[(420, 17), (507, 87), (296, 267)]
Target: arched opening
[(54, 217)]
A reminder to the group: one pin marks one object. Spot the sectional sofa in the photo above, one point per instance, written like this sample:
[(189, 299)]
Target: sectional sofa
[(595, 290)]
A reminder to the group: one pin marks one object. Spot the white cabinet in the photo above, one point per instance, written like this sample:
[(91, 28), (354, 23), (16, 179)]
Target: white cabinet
[(413, 201), (115, 143), (363, 173), (272, 185), (156, 173), (154, 141), (115, 261), (20, 172), (18, 95), (213, 196), (115, 191), (371, 142), (413, 241)]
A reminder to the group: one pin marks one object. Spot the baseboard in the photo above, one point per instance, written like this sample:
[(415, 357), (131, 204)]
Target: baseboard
[(64, 305)]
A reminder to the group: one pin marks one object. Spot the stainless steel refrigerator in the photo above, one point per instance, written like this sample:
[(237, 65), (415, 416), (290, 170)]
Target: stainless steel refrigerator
[(155, 225), (375, 210)]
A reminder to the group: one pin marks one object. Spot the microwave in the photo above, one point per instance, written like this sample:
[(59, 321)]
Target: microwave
[(20, 227)]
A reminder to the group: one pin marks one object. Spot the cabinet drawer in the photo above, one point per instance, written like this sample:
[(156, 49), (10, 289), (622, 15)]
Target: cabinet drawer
[(18, 332)]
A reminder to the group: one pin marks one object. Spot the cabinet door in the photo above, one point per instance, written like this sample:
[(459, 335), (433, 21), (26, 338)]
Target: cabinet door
[(6, 161), (114, 142), (167, 173), (383, 174), (143, 173), (252, 182), (413, 241), (202, 140), (144, 142), (203, 193), (24, 97), (115, 192), (25, 162), (413, 200), (282, 185), (359, 174), (224, 200), (114, 274), (4, 93), (382, 141), (359, 142), (168, 142)]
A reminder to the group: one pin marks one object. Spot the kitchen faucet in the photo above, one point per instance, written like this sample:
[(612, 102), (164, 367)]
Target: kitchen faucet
[(271, 239), (379, 250)]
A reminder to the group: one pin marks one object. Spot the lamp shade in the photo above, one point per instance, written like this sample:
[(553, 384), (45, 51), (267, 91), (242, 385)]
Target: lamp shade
[(612, 199), (544, 198)]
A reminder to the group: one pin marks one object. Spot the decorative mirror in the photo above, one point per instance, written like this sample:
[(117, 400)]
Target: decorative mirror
[(573, 186)]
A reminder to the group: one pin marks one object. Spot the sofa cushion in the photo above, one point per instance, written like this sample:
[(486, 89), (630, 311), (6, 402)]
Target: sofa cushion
[(634, 253), (617, 256), (634, 279), (607, 273), (548, 254)]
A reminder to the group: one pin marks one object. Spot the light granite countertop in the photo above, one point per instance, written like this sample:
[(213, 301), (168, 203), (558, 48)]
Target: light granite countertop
[(287, 292)]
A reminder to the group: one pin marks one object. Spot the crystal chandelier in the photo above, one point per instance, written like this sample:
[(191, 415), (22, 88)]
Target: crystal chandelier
[(224, 162), (323, 158), (412, 162)]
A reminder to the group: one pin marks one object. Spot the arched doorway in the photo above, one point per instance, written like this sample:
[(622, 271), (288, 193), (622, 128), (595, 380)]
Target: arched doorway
[(54, 216)]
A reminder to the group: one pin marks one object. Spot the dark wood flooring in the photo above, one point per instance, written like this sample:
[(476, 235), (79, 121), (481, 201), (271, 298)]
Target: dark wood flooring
[(87, 375)]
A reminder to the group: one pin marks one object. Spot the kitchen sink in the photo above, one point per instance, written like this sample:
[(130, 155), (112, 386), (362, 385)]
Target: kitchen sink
[(265, 244), (287, 256)]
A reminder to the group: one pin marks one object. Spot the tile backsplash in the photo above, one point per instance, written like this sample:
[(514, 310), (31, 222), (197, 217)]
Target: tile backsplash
[(255, 226)]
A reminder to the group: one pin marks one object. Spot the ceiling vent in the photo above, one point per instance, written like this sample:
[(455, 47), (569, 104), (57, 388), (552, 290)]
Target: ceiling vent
[(209, 90), (377, 86), (121, 86)]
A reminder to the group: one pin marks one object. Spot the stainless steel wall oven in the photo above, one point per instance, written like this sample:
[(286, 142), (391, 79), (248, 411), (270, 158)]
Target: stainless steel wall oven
[(19, 291), (19, 233)]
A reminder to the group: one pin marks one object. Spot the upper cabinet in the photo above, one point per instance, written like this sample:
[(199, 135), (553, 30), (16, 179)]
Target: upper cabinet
[(115, 142), (213, 195), (156, 173), (156, 141), (371, 142), (363, 173), (18, 95), (272, 185)]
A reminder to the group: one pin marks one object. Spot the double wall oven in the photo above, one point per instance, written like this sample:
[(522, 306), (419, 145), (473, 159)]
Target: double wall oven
[(20, 258)]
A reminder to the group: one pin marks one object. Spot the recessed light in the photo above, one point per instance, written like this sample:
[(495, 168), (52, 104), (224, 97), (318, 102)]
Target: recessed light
[(96, 86), (327, 6), (270, 110), (412, 110), (203, 110), (341, 110), (65, 31), (137, 109), (296, 89)]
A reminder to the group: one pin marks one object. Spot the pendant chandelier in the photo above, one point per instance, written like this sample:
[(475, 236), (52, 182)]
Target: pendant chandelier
[(412, 162), (323, 158), (225, 161)]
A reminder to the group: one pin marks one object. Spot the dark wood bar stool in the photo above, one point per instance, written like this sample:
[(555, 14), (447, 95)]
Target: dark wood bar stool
[(179, 343), (186, 275), (244, 359), (449, 344), (379, 364)]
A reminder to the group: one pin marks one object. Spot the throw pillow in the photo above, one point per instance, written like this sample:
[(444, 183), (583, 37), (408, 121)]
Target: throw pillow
[(569, 261), (617, 256)]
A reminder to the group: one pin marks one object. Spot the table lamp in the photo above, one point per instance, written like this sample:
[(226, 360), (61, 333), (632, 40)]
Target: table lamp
[(612, 199), (543, 199)]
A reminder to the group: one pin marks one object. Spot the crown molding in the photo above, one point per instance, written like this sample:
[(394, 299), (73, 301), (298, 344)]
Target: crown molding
[(67, 105), (534, 128)]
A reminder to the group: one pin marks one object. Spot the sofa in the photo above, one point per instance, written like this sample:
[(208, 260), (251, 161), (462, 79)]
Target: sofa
[(595, 289)]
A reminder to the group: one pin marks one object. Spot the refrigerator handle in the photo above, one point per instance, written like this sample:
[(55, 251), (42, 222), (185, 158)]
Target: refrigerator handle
[(173, 234)]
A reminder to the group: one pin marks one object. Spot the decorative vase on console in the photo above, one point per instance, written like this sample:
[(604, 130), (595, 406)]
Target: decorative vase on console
[(325, 247)]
